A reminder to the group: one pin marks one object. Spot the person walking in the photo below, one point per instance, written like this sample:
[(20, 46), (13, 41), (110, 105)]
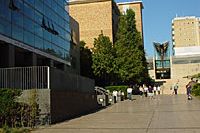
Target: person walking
[(150, 92), (145, 90), (189, 88), (115, 96), (129, 92), (175, 87), (158, 89), (141, 89), (154, 89)]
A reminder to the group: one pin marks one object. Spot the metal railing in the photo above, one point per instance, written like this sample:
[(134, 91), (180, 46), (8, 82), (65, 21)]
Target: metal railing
[(36, 77)]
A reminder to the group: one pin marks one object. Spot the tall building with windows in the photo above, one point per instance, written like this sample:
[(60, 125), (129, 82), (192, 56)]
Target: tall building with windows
[(34, 33), (186, 35), (95, 17), (185, 60)]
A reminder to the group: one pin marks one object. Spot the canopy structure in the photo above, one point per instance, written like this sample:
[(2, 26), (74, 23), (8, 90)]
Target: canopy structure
[(161, 49)]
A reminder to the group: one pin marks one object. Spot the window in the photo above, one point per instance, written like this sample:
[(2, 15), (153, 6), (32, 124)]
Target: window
[(38, 30), (54, 39), (47, 35), (31, 2), (38, 42), (54, 5), (19, 4), (39, 5), (5, 27), (28, 11), (58, 51), (47, 11), (48, 2), (29, 38), (17, 33), (48, 47), (17, 18), (38, 17), (28, 25)]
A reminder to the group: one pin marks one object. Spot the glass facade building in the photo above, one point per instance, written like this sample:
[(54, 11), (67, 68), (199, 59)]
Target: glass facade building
[(41, 24)]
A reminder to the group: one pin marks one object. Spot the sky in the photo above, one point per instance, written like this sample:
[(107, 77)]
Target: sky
[(157, 19)]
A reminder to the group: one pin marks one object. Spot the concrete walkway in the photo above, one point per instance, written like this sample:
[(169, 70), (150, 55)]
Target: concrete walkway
[(164, 114)]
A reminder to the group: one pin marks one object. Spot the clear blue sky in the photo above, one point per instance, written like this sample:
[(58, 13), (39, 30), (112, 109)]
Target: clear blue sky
[(158, 15)]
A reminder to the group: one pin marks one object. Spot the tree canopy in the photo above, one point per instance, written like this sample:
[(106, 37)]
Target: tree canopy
[(131, 61), (103, 58), (85, 61), (124, 61)]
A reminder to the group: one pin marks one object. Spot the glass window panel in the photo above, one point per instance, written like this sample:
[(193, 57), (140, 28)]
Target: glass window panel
[(5, 27), (39, 5), (29, 24), (17, 33), (19, 4), (61, 3), (31, 2), (38, 17), (66, 16), (58, 51), (64, 44), (48, 47), (67, 27), (48, 2), (58, 41), (17, 18), (47, 35), (67, 45), (47, 11), (28, 38), (54, 39), (60, 11), (38, 42), (39, 30), (5, 12), (54, 5), (28, 11)]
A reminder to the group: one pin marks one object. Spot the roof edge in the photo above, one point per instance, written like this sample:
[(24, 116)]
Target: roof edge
[(133, 2), (85, 1)]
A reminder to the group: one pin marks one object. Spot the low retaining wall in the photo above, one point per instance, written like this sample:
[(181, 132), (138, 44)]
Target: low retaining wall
[(66, 105)]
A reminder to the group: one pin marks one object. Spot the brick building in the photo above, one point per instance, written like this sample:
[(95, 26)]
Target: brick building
[(96, 16)]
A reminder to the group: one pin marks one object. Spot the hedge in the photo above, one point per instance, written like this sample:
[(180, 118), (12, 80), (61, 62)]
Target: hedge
[(117, 88)]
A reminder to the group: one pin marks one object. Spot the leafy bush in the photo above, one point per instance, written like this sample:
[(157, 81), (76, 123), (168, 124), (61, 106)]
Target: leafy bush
[(196, 90), (17, 114), (117, 88)]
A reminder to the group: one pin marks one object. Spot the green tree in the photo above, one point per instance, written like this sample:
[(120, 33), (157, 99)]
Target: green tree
[(131, 62), (85, 61), (8, 106), (103, 59)]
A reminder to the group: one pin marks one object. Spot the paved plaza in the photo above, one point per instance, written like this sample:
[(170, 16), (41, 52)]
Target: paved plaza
[(164, 114)]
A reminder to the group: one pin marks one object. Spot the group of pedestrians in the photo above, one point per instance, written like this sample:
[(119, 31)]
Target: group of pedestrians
[(118, 96), (149, 90)]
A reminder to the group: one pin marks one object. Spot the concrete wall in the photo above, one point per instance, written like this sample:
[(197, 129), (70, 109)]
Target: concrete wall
[(69, 104), (71, 95), (42, 98)]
